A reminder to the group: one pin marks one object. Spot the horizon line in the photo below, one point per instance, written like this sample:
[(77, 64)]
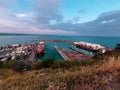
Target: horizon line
[(28, 34)]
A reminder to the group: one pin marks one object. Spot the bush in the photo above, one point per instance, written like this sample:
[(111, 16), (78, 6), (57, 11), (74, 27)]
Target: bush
[(88, 62), (103, 56), (51, 63), (36, 65), (117, 47), (44, 64), (69, 64), (47, 63), (1, 63), (62, 64), (19, 65), (4, 64), (106, 55)]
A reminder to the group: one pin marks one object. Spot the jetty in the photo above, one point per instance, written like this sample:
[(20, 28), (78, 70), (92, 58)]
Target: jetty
[(63, 55)]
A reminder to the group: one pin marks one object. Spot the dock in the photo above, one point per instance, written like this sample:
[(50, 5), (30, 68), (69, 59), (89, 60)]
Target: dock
[(64, 56)]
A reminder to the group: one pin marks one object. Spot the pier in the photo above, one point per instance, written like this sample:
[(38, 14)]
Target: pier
[(64, 56)]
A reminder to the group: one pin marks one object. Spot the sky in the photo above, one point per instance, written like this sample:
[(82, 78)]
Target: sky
[(61, 17)]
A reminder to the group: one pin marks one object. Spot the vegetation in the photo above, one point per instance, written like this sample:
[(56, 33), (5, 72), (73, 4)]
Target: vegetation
[(19, 65), (100, 73), (44, 64), (16, 65), (115, 53)]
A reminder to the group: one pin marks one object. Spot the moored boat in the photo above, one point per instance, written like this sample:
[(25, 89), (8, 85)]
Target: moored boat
[(92, 47), (40, 49)]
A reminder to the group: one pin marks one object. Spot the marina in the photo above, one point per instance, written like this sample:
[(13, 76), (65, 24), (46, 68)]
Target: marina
[(45, 49)]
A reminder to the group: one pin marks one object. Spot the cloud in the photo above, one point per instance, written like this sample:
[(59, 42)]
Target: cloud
[(47, 11), (82, 11), (107, 24), (48, 19), (10, 23), (32, 30), (21, 15), (108, 21), (110, 24), (3, 5)]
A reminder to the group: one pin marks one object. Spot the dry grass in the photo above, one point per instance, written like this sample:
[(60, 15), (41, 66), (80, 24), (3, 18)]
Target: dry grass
[(100, 76)]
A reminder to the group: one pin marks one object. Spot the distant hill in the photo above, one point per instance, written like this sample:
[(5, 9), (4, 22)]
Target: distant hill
[(21, 34)]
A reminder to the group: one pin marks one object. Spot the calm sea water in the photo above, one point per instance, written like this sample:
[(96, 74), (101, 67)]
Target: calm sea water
[(107, 41), (51, 53)]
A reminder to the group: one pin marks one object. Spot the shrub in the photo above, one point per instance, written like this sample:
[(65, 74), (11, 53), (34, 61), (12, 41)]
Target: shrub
[(4, 64), (103, 56), (36, 65), (69, 64), (19, 65), (106, 55), (43, 64), (62, 64), (47, 63), (87, 62), (117, 47), (1, 63)]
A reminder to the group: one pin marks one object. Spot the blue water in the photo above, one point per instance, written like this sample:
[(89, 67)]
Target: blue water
[(51, 53), (107, 41)]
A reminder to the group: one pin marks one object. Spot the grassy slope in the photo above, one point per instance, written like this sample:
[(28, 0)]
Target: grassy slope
[(100, 76)]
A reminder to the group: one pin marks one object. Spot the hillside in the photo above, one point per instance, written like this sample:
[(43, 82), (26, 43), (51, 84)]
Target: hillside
[(100, 73), (100, 76)]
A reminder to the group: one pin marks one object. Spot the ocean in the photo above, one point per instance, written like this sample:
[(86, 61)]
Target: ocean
[(107, 41), (51, 53)]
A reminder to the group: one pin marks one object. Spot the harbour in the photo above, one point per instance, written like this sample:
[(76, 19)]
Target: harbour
[(43, 49)]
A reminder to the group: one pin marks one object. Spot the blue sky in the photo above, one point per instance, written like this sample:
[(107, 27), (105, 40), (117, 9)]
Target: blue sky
[(93, 8), (61, 17)]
